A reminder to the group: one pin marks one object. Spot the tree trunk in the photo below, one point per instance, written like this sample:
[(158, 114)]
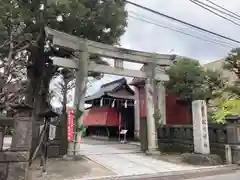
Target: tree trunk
[(34, 96)]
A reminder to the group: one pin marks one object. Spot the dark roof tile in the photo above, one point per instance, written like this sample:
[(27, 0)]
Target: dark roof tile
[(108, 88)]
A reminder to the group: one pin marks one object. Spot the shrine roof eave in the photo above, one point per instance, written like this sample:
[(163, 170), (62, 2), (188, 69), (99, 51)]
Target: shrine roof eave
[(110, 95), (94, 96), (137, 83), (110, 89)]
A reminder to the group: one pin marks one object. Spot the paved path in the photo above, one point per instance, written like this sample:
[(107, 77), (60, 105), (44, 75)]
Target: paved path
[(125, 159)]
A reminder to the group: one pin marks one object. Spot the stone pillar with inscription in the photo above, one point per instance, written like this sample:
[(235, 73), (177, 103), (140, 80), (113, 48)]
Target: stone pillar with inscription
[(201, 155), (200, 127)]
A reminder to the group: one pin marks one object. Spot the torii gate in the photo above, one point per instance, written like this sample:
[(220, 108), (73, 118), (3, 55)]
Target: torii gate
[(82, 48)]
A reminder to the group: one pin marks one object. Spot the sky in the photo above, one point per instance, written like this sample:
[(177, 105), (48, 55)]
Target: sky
[(151, 38), (147, 37)]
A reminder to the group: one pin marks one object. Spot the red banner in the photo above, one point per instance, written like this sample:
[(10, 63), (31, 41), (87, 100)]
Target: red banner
[(70, 125)]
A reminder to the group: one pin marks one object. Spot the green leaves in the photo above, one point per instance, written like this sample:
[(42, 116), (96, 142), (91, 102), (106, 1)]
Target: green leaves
[(189, 81), (186, 79), (96, 20), (158, 117), (227, 109), (102, 21), (232, 64)]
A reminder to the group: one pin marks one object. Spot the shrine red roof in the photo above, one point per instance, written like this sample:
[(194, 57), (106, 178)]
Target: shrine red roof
[(103, 116)]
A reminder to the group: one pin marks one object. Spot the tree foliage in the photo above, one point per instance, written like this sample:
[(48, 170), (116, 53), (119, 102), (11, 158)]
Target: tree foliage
[(189, 81), (232, 63), (22, 21), (22, 25), (227, 108)]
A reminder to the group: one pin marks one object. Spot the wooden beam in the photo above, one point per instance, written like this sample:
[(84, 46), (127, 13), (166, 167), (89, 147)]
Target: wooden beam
[(160, 76), (68, 41)]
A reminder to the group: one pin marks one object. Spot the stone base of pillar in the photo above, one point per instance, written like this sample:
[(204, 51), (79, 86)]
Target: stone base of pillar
[(153, 152), (70, 154), (202, 159), (68, 157)]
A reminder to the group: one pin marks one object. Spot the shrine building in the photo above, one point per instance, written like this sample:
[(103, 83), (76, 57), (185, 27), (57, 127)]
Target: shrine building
[(111, 109), (117, 106)]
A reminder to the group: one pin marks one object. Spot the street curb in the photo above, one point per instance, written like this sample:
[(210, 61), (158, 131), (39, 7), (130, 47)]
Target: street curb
[(176, 175)]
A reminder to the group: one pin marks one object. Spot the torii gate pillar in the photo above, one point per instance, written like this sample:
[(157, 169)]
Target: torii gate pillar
[(155, 104), (79, 100), (151, 125)]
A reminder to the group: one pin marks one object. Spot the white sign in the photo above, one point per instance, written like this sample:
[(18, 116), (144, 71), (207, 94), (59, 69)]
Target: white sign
[(200, 127), (52, 131), (123, 131)]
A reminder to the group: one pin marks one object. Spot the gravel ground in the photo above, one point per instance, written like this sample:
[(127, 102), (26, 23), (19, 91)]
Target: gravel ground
[(59, 169)]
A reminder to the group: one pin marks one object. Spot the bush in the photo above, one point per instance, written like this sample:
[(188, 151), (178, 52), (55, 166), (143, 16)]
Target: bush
[(9, 131), (228, 108)]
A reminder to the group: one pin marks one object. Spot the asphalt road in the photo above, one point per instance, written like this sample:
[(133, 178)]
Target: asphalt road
[(232, 176)]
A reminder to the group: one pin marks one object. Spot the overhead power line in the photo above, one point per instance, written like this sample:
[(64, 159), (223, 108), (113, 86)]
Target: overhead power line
[(165, 26), (147, 20), (225, 9), (228, 13), (205, 6), (182, 22)]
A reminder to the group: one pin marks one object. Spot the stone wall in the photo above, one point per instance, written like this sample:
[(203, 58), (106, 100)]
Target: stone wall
[(179, 138)]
